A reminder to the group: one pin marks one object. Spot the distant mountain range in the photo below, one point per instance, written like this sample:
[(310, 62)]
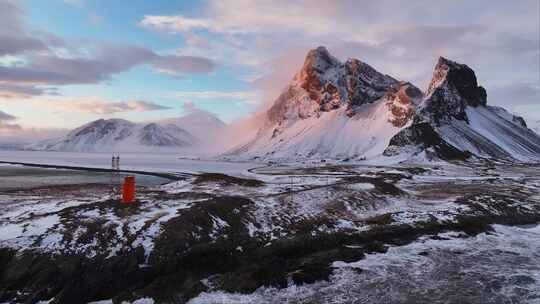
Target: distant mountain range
[(351, 111), (119, 135)]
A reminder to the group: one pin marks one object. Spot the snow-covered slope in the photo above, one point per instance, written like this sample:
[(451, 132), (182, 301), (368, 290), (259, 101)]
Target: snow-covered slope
[(121, 136), (351, 111)]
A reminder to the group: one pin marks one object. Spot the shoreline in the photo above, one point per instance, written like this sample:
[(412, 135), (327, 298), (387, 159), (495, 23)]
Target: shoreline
[(169, 176)]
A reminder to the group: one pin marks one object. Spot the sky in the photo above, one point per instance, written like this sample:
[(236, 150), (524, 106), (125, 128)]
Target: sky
[(67, 62)]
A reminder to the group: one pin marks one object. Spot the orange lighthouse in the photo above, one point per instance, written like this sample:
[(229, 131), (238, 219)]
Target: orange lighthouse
[(128, 190)]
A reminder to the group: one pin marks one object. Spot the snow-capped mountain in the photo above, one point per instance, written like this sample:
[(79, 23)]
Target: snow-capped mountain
[(351, 111), (119, 135), (333, 109), (454, 120), (188, 133)]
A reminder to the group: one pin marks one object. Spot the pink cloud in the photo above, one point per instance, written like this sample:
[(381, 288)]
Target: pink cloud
[(96, 105)]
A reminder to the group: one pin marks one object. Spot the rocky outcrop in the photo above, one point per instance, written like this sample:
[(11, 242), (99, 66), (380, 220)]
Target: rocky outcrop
[(520, 121), (422, 137), (452, 88), (460, 78), (325, 84), (402, 102), (365, 84)]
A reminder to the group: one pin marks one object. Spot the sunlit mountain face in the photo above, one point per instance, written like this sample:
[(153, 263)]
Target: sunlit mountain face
[(348, 111)]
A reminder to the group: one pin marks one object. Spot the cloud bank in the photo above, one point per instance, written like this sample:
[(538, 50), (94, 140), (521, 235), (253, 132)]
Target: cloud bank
[(97, 105), (46, 61), (499, 39)]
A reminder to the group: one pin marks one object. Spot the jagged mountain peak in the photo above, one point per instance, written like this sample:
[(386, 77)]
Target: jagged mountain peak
[(453, 88), (460, 78), (325, 84), (319, 59), (312, 76)]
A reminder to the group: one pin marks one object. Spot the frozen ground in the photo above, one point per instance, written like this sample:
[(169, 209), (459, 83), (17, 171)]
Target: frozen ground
[(294, 233), (19, 177)]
